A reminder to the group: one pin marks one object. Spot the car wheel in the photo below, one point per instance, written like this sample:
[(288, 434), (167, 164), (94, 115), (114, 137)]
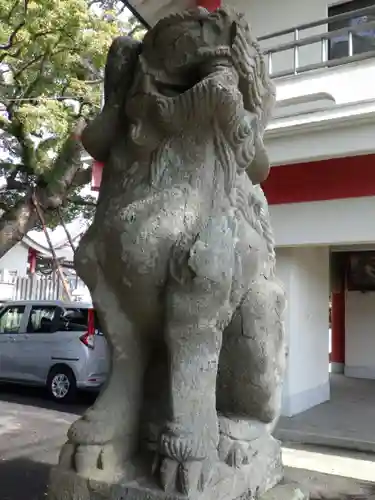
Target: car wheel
[(61, 384)]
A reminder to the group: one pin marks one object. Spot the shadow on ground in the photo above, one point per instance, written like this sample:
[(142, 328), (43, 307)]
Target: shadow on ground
[(22, 479), (37, 397)]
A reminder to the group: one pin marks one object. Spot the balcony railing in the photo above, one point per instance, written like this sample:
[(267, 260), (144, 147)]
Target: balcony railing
[(323, 39)]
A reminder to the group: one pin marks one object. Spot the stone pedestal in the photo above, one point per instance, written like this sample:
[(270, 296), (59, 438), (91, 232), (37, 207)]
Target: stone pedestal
[(263, 472)]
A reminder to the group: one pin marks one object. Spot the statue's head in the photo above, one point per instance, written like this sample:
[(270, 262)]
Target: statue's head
[(194, 70), (183, 49)]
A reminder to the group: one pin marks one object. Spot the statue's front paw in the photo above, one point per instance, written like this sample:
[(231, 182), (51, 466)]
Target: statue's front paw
[(183, 477)]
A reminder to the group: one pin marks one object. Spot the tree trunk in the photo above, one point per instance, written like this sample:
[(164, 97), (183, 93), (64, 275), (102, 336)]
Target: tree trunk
[(66, 174)]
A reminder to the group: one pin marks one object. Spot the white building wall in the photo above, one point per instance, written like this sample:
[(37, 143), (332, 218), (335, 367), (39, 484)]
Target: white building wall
[(15, 260), (318, 136), (334, 222), (360, 335), (305, 274), (346, 84)]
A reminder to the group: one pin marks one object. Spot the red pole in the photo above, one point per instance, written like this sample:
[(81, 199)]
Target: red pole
[(32, 260), (96, 176), (338, 331)]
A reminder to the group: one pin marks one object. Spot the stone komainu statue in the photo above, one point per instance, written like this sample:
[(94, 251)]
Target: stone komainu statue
[(180, 261)]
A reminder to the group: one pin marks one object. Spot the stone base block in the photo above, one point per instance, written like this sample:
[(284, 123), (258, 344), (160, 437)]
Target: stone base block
[(226, 483)]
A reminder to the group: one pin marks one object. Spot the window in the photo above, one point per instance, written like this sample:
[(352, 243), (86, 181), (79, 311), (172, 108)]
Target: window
[(41, 319), (11, 318), (75, 319), (12, 276), (363, 41)]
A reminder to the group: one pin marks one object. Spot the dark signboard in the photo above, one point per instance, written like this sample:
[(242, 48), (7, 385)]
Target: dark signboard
[(361, 271)]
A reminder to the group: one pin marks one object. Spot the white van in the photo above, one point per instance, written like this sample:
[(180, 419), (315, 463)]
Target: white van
[(51, 343)]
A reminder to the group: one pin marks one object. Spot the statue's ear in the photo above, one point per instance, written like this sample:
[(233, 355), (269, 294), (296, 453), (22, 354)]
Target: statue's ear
[(259, 168), (98, 136)]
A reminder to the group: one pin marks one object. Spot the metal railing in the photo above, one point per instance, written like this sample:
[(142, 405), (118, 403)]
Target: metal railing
[(298, 42), (323, 39)]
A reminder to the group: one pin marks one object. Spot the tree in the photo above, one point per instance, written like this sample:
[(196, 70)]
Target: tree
[(52, 56)]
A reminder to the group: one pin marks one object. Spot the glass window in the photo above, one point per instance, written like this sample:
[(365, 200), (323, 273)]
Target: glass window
[(11, 318), (363, 41), (41, 319), (76, 319)]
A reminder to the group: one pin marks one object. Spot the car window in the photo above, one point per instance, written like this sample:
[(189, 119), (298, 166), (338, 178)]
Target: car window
[(41, 318), (72, 320), (11, 318), (77, 319)]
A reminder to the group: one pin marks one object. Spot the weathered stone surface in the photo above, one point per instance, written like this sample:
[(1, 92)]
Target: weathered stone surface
[(180, 263)]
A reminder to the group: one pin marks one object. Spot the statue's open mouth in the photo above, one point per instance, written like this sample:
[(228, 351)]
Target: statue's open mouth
[(177, 84), (172, 89)]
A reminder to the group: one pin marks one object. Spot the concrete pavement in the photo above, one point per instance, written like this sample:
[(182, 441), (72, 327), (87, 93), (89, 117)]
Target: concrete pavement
[(346, 421), (32, 430)]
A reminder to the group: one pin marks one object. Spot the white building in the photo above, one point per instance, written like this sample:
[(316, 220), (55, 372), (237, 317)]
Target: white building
[(322, 185), (20, 261)]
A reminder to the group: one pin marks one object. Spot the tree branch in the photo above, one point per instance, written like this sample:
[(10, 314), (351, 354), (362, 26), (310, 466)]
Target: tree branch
[(5, 124), (22, 217), (15, 223), (10, 42), (11, 39), (81, 202), (66, 165), (28, 64), (27, 147), (82, 177)]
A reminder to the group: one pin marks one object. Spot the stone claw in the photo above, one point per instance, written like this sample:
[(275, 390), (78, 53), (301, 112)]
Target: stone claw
[(189, 477), (184, 478), (66, 457), (168, 474), (233, 452), (237, 456), (93, 461)]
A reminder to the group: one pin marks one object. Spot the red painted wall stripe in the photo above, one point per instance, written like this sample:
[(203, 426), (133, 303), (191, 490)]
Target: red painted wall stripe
[(331, 179), (210, 5)]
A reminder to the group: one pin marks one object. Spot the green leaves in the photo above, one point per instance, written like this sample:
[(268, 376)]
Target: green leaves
[(52, 58)]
